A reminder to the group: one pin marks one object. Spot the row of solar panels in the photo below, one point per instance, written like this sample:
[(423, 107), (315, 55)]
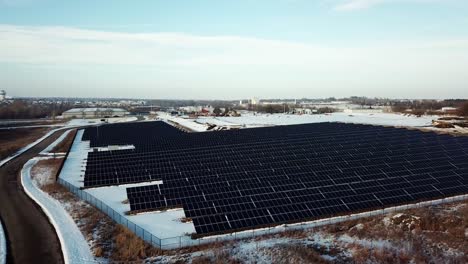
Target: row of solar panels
[(249, 178)]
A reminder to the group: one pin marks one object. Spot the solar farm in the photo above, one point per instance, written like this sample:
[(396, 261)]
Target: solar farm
[(229, 181)]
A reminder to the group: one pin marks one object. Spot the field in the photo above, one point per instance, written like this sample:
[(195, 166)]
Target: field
[(275, 181), (13, 140), (428, 234), (432, 234)]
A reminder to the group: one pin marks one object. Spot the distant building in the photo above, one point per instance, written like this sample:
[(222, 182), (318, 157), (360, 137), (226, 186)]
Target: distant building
[(254, 101), (305, 111), (2, 95), (449, 110), (95, 113)]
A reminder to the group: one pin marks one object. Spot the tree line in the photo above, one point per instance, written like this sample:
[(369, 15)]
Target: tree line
[(20, 109)]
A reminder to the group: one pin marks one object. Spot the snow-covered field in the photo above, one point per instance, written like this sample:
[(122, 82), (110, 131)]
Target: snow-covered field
[(165, 224), (385, 119), (74, 246), (3, 250), (250, 119), (84, 122), (185, 122)]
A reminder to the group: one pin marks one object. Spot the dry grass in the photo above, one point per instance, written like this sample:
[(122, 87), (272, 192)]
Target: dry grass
[(219, 256), (186, 220), (128, 247), (65, 144), (296, 254), (13, 140)]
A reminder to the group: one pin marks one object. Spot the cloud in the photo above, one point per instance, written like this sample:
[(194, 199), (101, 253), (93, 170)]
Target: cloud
[(351, 5), (71, 57), (72, 45), (64, 45)]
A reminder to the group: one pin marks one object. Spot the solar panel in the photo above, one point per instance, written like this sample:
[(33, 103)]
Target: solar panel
[(243, 179)]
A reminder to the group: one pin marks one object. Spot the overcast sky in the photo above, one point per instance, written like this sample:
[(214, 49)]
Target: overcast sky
[(215, 49)]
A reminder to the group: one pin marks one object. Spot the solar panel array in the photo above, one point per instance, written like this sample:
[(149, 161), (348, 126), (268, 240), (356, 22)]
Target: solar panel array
[(235, 180)]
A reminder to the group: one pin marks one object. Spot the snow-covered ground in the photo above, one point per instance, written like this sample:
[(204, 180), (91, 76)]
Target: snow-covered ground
[(84, 122), (250, 119), (185, 122), (76, 161), (165, 224), (385, 119), (74, 246), (3, 250)]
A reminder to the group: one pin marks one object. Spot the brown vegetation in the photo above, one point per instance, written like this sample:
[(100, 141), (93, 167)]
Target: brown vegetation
[(420, 107), (66, 143), (13, 140), (463, 109), (24, 110), (128, 247), (296, 254)]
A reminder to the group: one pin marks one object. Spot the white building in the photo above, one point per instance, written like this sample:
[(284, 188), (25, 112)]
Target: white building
[(95, 113), (254, 101), (2, 95), (449, 110)]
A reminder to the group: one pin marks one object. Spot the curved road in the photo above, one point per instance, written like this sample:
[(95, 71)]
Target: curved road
[(31, 238)]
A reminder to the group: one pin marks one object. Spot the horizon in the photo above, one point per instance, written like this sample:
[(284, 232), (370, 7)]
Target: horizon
[(406, 49)]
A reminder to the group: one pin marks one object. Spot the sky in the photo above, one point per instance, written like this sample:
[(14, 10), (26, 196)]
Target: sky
[(220, 49)]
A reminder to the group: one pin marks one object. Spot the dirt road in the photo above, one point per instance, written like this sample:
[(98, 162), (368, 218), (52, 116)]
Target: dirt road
[(31, 238)]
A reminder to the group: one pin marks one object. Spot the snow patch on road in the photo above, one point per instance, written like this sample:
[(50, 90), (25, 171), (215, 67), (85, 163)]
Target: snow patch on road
[(3, 250), (74, 246)]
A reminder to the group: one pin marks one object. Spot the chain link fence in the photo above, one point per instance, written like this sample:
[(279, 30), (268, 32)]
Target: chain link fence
[(187, 241)]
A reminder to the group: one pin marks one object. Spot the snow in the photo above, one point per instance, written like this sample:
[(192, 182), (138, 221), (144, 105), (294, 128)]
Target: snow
[(164, 224), (385, 119), (42, 176), (3, 250), (76, 161), (214, 120), (369, 243), (74, 246), (188, 123), (111, 148), (85, 122)]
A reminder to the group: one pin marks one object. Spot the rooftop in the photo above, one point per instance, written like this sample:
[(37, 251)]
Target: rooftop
[(79, 110)]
